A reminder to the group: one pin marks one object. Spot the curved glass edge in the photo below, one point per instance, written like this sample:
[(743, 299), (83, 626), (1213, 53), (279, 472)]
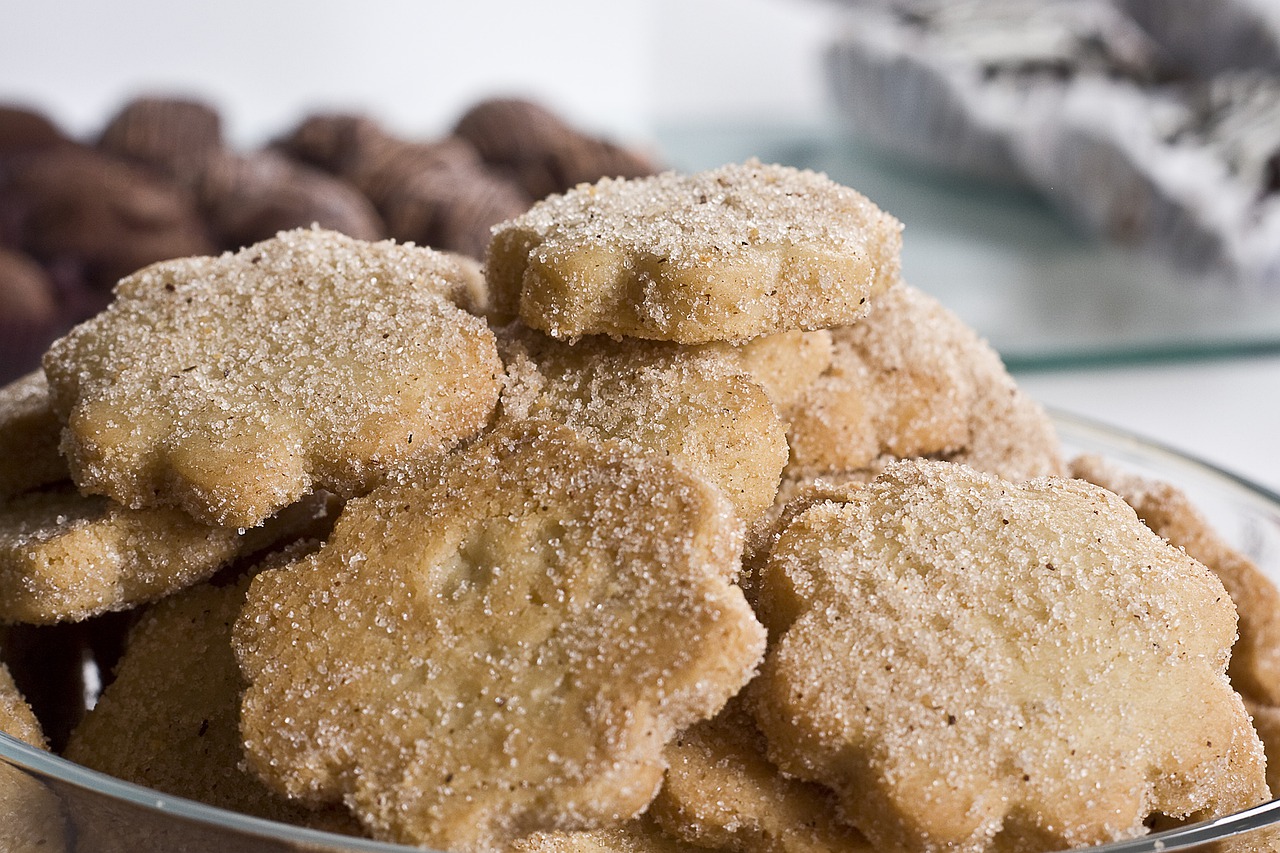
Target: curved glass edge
[(1078, 434)]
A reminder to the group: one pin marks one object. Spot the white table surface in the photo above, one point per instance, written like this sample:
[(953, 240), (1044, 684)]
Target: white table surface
[(1225, 411)]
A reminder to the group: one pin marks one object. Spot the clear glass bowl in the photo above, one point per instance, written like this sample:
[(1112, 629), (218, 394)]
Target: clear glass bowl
[(50, 805)]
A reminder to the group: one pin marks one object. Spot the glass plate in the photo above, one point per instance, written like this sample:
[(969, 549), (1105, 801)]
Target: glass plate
[(49, 805)]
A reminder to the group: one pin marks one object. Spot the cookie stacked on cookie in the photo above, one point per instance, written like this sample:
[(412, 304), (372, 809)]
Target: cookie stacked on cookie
[(686, 523)]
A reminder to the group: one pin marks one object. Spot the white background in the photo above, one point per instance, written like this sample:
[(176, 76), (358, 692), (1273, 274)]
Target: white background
[(616, 67)]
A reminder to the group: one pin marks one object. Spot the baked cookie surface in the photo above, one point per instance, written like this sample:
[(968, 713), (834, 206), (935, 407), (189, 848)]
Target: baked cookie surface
[(232, 386), (977, 665), (502, 649), (724, 255)]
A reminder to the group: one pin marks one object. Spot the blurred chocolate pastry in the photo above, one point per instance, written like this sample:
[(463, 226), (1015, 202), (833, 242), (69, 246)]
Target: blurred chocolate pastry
[(28, 312), (103, 216), (175, 136), (23, 129), (436, 193), (451, 209), (247, 198), (542, 152)]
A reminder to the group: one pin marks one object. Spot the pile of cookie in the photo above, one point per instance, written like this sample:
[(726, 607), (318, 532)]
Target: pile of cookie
[(681, 523), (161, 181)]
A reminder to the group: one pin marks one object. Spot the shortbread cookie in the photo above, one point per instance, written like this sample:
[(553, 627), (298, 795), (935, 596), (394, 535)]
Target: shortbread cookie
[(65, 557), (637, 836), (16, 717), (721, 792), (724, 255), (232, 386), (29, 436), (978, 665), (170, 719), (504, 646), (913, 380), (1255, 658), (785, 364), (694, 407), (1266, 721)]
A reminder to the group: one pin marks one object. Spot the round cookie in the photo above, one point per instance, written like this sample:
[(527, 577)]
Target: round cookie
[(231, 386), (16, 717), (29, 435), (977, 665), (724, 255), (502, 646)]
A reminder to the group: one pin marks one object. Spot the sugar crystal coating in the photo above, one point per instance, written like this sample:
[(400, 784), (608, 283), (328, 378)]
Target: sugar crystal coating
[(169, 718), (696, 408), (65, 556), (910, 380), (722, 792), (978, 665), (1255, 657), (502, 647), (724, 255), (232, 386), (29, 435), (16, 717)]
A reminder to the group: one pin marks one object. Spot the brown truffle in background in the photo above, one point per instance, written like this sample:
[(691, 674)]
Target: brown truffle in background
[(450, 208), (436, 193), (23, 129), (247, 198), (104, 216), (542, 152), (175, 136), (335, 142), (28, 313)]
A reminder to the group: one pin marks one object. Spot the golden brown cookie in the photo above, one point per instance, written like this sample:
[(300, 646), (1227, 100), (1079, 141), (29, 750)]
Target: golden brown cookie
[(641, 835), (505, 646), (974, 664), (232, 386), (721, 792), (65, 557), (1266, 721), (1255, 658), (913, 380), (29, 436), (785, 364), (16, 717), (695, 408), (725, 255), (170, 719)]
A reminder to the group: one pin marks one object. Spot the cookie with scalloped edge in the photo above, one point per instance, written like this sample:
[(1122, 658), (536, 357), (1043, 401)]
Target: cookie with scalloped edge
[(785, 364), (231, 386), (729, 254), (29, 436), (721, 792), (1255, 658), (501, 644), (16, 717), (65, 557), (974, 664), (913, 380), (169, 720), (697, 408)]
